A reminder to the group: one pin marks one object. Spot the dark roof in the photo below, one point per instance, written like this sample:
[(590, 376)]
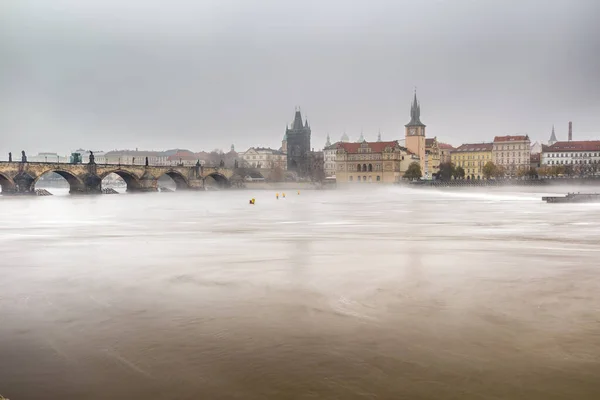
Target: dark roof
[(580, 145), (509, 138), (415, 113), (474, 147)]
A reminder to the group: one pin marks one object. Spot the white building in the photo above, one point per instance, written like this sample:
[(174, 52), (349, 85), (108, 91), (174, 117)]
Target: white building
[(261, 157), (134, 157), (44, 157), (512, 153), (99, 156), (576, 153), (329, 152)]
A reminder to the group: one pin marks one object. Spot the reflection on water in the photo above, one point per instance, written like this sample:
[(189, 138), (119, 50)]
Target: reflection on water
[(378, 294)]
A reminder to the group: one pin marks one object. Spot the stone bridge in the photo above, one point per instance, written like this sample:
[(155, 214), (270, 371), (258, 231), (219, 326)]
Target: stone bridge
[(21, 177)]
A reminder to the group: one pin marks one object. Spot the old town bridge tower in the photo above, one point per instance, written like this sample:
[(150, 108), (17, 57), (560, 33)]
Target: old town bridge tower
[(298, 145)]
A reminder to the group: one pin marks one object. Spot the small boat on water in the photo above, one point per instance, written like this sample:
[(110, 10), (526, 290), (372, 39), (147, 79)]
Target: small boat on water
[(574, 198)]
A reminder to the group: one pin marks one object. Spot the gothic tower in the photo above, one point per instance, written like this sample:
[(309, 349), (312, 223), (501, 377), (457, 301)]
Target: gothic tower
[(298, 145), (415, 133), (552, 137)]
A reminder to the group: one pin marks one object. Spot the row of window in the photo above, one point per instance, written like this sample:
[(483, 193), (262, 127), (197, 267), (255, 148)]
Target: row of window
[(561, 162), (511, 147), (514, 154), (552, 155), (472, 157), (364, 179)]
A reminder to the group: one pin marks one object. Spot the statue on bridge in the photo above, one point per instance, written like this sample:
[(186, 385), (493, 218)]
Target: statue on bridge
[(146, 161), (222, 164), (92, 158), (235, 164), (9, 156), (23, 157)]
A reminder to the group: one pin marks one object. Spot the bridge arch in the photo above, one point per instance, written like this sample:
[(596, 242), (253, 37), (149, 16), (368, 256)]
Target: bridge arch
[(219, 180), (7, 185), (181, 182), (132, 181), (76, 185)]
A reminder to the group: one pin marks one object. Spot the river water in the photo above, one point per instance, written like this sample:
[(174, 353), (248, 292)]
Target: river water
[(390, 293)]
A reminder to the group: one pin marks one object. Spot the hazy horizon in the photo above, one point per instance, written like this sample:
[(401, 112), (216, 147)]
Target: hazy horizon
[(114, 74)]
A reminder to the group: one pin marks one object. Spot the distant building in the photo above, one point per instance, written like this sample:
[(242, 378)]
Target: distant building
[(512, 153), (48, 157), (378, 162), (433, 154), (297, 139), (472, 157), (329, 154), (184, 157), (135, 157), (536, 148), (574, 153), (262, 157), (445, 152), (534, 160)]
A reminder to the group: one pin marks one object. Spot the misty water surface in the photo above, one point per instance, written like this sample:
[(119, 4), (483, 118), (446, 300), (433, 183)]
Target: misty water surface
[(363, 294)]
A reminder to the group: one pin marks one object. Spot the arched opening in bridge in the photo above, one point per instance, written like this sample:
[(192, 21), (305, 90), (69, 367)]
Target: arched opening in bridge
[(115, 182), (121, 181), (172, 180), (58, 183), (215, 180), (6, 185)]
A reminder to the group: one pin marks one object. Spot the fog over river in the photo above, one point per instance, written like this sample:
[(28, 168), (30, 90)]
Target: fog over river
[(374, 293)]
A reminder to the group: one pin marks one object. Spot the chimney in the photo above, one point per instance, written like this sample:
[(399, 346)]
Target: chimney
[(570, 131)]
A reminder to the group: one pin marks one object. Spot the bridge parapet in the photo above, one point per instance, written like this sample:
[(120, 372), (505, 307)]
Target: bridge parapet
[(21, 177)]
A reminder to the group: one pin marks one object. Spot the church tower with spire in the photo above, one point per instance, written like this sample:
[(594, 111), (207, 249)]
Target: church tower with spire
[(297, 140), (415, 132), (552, 137)]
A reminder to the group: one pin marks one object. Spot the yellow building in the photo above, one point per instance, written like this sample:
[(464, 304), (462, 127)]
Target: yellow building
[(415, 136), (433, 153), (379, 162), (472, 158)]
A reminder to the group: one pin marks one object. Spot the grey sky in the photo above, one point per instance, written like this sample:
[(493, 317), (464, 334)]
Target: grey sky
[(106, 74)]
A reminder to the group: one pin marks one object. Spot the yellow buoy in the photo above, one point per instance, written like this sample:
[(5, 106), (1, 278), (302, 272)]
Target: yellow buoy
[(298, 192), (283, 195)]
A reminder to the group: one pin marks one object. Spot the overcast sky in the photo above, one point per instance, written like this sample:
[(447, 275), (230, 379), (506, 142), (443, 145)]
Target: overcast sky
[(108, 74)]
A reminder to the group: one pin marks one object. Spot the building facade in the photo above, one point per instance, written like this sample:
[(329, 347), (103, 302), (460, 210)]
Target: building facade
[(329, 154), (297, 144), (377, 162), (415, 135), (512, 153), (472, 157), (433, 153), (263, 157), (574, 153), (445, 152)]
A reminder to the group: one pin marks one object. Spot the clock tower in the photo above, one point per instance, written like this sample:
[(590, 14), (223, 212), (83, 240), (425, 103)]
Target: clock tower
[(415, 133)]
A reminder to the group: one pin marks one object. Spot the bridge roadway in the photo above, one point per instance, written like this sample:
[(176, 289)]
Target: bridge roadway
[(21, 177)]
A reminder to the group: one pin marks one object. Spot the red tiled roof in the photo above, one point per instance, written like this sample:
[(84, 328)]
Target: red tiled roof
[(445, 146), (580, 145), (510, 138), (474, 147), (534, 157)]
